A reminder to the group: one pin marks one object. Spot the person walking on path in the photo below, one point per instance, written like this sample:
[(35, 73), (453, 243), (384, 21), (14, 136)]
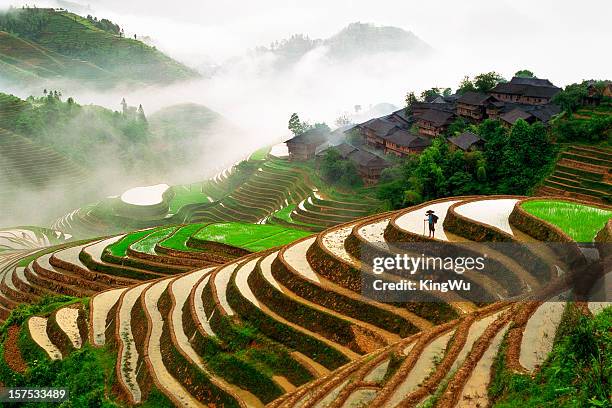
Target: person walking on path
[(431, 220)]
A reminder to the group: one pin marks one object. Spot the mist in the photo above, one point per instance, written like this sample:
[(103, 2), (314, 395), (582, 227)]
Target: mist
[(557, 40)]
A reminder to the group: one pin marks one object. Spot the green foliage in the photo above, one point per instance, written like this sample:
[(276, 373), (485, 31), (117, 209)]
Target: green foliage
[(296, 126), (527, 154), (93, 51), (411, 99), (50, 121), (459, 125), (581, 222), (524, 73), (430, 94), (338, 171), (252, 237), (88, 373), (105, 25), (511, 163), (481, 83), (592, 130), (577, 373), (571, 97)]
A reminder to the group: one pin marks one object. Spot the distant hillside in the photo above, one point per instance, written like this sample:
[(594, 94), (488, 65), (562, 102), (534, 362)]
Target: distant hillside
[(45, 43), (359, 39), (183, 121), (355, 40)]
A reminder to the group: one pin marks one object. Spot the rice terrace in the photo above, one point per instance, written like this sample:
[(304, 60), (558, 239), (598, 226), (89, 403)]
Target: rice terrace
[(190, 218)]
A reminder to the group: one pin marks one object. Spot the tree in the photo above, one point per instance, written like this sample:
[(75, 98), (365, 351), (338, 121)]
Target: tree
[(571, 97), (526, 157), (411, 99), (141, 114), (466, 85), (524, 73), (487, 81), (343, 120), (430, 94), (296, 126), (447, 92)]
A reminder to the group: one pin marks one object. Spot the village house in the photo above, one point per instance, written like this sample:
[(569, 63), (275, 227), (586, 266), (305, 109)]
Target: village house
[(529, 113), (529, 91), (473, 105), (303, 146), (375, 131), (596, 91), (434, 122), (369, 166), (466, 141), (403, 143)]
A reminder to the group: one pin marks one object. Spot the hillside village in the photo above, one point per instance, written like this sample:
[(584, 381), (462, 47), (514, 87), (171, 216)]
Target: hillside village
[(411, 130)]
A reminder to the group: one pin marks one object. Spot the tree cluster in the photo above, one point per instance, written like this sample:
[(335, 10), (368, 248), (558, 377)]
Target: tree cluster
[(481, 83), (338, 171), (512, 162)]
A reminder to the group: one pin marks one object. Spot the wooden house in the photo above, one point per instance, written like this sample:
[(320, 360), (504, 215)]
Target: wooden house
[(403, 143), (434, 122), (466, 141), (472, 105), (529, 91), (303, 147)]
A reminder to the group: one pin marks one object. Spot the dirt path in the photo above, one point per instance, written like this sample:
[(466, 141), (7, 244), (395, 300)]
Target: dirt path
[(475, 391), (490, 212), (413, 221), (67, 320), (101, 305), (266, 268), (539, 333), (167, 382), (242, 276), (422, 368), (221, 280), (38, 330), (334, 242), (199, 306), (128, 358), (374, 233)]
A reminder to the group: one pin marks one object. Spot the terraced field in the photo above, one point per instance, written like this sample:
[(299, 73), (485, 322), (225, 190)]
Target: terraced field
[(20, 238), (289, 326), (66, 45), (273, 192), (582, 172), (43, 169)]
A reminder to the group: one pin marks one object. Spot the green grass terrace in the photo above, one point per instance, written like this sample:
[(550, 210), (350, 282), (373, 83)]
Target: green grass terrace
[(581, 222)]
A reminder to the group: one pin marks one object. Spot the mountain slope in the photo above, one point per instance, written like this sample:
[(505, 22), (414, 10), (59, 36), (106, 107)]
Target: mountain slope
[(50, 43), (353, 41)]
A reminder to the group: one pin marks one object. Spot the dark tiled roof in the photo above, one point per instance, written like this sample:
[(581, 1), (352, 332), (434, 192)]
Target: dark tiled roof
[(366, 159), (531, 81), (402, 115), (545, 112), (408, 139), (526, 90), (465, 140), (514, 115), (474, 98), (447, 106), (312, 136), (382, 127), (345, 149), (437, 117)]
